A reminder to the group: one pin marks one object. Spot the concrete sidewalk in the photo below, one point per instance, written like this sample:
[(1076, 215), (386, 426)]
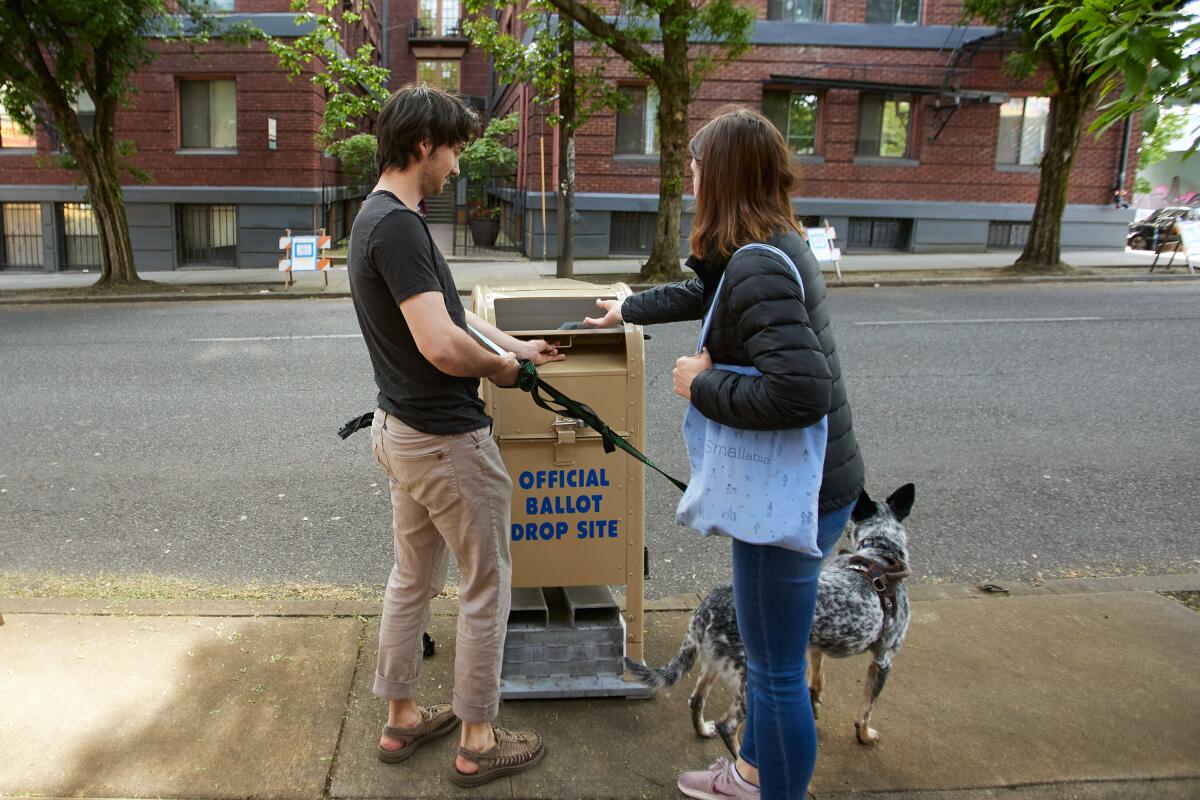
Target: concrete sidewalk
[(887, 268), (1072, 689)]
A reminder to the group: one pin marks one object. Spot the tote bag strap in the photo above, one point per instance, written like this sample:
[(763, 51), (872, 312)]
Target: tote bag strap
[(712, 310)]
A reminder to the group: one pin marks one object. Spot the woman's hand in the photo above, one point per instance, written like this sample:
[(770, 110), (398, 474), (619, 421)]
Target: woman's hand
[(686, 370), (612, 315)]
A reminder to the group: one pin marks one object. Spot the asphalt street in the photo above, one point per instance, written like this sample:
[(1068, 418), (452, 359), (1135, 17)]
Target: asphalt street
[(1050, 430)]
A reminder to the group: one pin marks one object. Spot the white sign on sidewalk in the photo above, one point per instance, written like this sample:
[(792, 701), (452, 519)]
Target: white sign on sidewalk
[(821, 242)]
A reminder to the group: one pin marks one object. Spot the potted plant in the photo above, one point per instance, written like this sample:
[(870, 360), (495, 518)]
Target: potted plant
[(484, 222), (484, 159)]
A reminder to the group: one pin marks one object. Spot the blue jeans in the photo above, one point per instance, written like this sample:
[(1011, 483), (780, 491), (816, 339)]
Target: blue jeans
[(775, 592)]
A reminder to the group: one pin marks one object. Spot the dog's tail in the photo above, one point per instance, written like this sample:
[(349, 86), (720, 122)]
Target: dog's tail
[(658, 679)]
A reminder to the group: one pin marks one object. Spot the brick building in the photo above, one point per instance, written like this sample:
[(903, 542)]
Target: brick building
[(907, 132), (228, 142)]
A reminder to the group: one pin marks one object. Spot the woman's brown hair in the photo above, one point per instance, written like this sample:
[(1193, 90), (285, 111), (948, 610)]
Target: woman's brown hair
[(746, 180)]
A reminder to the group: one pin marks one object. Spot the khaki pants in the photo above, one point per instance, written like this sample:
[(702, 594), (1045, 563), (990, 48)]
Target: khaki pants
[(449, 493)]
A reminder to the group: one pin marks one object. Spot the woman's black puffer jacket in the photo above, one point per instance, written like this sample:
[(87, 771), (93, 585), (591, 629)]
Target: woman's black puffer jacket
[(760, 323)]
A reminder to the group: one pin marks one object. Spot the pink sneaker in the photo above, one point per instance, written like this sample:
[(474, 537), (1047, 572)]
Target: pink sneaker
[(718, 782)]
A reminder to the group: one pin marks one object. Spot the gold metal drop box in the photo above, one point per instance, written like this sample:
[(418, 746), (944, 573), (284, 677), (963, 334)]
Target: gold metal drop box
[(577, 512)]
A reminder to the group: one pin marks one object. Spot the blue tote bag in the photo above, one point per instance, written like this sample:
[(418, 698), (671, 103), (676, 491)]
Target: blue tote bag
[(760, 487)]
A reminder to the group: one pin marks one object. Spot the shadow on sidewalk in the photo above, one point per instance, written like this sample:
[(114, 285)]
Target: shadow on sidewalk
[(172, 707)]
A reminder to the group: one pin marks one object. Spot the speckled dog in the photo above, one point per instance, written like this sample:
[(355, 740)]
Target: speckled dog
[(861, 605)]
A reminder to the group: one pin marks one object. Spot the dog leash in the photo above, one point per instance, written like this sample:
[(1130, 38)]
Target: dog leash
[(558, 403)]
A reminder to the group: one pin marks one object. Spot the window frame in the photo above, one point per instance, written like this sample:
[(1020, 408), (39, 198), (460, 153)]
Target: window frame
[(647, 121), (776, 11), (818, 118), (180, 148), (441, 22), (897, 7), (30, 137), (457, 72), (1018, 165), (909, 139)]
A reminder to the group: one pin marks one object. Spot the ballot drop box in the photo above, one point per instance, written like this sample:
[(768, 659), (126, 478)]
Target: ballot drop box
[(578, 513)]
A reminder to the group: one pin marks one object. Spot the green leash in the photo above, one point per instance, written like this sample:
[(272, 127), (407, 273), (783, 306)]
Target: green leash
[(528, 380)]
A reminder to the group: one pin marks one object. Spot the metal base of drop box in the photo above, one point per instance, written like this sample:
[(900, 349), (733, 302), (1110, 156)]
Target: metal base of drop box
[(565, 643)]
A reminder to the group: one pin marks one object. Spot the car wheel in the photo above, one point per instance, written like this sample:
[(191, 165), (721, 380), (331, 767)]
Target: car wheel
[(1139, 242)]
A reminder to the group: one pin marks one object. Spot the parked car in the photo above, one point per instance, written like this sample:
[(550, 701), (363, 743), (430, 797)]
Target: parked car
[(1157, 229)]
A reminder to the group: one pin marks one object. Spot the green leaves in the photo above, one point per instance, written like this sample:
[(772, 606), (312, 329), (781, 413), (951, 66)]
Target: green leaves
[(1131, 54), (487, 156), (354, 85)]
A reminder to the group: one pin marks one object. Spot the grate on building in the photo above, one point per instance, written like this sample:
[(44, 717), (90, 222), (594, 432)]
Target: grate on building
[(81, 237), (871, 233), (21, 244), (1007, 235), (207, 235)]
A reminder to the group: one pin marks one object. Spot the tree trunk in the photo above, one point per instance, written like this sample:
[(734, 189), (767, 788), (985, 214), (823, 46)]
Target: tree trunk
[(97, 160), (116, 249), (674, 92), (1042, 253), (565, 267)]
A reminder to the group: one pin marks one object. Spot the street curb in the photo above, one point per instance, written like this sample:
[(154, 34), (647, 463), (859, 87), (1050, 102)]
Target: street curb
[(921, 593), (831, 283)]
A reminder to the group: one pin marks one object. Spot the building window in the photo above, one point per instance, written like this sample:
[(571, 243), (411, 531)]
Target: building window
[(1022, 135), (438, 75), (438, 18), (21, 246), (1007, 235), (85, 112), (796, 10), (894, 12), (631, 232), (868, 233), (795, 115), (207, 235), (637, 123), (81, 236), (217, 6), (208, 114), (884, 123), (11, 133)]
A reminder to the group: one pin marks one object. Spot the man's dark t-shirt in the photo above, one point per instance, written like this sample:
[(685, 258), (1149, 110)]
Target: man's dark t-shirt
[(391, 258)]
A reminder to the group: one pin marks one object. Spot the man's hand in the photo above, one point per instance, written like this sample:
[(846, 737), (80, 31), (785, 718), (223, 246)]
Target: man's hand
[(686, 370), (505, 376), (539, 351), (612, 315)]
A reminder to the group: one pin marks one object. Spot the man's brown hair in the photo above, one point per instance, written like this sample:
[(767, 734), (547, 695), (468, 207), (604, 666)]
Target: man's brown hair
[(415, 113), (746, 180)]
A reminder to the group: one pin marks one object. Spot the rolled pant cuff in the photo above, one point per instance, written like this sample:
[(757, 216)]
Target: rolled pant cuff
[(470, 712), (389, 689)]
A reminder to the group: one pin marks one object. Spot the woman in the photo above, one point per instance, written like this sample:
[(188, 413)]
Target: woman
[(742, 179)]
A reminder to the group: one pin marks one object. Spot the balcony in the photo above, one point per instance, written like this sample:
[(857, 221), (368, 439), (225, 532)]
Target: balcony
[(427, 31)]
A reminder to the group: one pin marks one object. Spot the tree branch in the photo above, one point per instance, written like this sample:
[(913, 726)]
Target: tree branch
[(622, 43)]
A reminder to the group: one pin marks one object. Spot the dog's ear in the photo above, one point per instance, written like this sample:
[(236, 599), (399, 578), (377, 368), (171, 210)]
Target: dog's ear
[(864, 509), (901, 501)]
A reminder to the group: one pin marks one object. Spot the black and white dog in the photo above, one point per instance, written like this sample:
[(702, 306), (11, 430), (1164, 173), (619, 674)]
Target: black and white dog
[(862, 605)]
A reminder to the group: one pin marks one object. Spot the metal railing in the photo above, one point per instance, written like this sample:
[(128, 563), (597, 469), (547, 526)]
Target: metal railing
[(207, 236), (81, 237), (21, 245), (444, 28)]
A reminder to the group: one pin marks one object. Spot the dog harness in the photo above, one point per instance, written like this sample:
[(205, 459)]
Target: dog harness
[(884, 573)]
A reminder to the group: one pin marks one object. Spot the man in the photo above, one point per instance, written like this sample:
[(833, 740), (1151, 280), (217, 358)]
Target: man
[(449, 488)]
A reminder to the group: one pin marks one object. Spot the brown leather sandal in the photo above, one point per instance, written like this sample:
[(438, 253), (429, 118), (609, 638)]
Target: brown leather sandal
[(515, 751), (436, 721)]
